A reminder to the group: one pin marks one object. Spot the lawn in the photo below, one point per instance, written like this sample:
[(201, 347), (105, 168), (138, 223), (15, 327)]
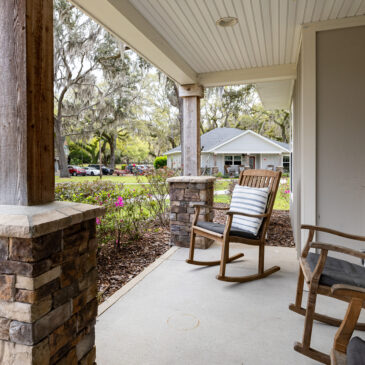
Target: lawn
[(280, 202), (117, 179), (221, 184)]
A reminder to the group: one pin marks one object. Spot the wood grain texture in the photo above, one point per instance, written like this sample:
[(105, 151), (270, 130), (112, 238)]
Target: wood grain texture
[(252, 178), (191, 145), (26, 102), (354, 295)]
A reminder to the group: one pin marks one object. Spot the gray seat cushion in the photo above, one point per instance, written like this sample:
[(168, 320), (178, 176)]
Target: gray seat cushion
[(356, 352), (219, 228), (338, 271)]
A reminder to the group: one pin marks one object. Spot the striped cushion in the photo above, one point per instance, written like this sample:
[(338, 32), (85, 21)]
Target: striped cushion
[(248, 200)]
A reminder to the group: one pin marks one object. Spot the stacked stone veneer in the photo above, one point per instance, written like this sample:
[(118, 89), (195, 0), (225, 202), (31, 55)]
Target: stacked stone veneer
[(48, 284), (185, 192)]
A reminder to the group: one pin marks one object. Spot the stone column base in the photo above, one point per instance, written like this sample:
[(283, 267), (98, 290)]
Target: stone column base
[(185, 192), (48, 284)]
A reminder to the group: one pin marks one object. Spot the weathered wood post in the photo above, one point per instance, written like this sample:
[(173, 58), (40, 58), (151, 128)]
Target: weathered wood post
[(191, 95), (190, 189), (48, 273)]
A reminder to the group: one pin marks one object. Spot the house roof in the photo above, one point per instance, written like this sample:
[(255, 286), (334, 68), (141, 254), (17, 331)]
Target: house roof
[(220, 136)]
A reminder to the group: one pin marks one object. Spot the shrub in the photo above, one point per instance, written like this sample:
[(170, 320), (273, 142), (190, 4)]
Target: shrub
[(219, 174), (126, 213), (160, 162), (156, 193)]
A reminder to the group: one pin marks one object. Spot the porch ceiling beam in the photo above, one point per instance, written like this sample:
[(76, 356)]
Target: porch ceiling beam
[(248, 75), (120, 18)]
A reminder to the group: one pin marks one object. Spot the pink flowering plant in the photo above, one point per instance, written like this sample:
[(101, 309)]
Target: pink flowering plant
[(126, 215), (282, 201), (157, 192)]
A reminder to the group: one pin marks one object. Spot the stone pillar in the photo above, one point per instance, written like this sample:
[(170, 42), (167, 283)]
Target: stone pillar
[(48, 284), (185, 192), (191, 95)]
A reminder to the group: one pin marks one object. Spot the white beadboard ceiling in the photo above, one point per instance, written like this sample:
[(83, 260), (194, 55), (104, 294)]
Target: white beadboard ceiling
[(267, 33), (181, 38)]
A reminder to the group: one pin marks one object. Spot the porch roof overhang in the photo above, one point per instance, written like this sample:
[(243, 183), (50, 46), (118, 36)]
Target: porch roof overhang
[(181, 38)]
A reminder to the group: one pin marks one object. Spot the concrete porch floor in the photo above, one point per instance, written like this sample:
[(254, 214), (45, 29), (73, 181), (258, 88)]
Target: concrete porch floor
[(180, 314)]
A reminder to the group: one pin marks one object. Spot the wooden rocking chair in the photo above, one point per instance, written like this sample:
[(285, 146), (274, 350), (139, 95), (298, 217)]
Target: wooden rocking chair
[(344, 351), (225, 235), (331, 277)]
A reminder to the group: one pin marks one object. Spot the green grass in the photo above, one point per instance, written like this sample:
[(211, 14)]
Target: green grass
[(118, 179), (221, 184), (222, 199), (280, 202)]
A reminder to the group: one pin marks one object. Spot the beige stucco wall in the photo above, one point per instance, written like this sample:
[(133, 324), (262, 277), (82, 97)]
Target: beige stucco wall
[(341, 130)]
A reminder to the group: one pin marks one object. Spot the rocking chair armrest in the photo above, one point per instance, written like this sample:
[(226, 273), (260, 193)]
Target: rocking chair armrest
[(231, 212), (332, 231), (208, 206), (349, 291), (340, 249)]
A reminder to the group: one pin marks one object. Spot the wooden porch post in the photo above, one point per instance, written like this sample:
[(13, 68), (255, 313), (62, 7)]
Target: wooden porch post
[(26, 102), (191, 139)]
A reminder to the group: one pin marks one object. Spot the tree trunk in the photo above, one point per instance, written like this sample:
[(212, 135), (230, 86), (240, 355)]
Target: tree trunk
[(112, 144), (59, 143), (100, 169)]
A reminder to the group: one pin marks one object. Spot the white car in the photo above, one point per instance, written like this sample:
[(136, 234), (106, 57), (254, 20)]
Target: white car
[(92, 171)]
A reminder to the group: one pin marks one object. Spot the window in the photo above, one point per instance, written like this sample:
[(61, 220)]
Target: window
[(228, 160), (286, 163), (232, 160), (237, 160)]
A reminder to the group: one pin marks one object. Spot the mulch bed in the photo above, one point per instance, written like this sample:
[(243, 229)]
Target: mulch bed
[(117, 266), (279, 233)]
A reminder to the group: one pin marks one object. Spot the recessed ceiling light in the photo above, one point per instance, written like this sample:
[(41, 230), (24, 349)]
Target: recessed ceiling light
[(227, 21)]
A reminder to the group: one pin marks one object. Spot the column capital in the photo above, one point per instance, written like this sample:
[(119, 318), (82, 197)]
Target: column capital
[(191, 90)]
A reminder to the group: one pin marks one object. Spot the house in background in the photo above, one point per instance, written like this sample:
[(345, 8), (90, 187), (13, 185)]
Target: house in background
[(228, 149)]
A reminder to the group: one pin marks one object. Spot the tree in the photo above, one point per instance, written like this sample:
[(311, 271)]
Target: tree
[(75, 37), (95, 80)]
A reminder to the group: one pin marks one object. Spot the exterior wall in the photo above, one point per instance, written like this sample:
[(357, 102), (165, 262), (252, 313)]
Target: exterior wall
[(270, 159), (207, 160), (220, 163), (252, 144), (328, 130), (174, 161), (341, 131)]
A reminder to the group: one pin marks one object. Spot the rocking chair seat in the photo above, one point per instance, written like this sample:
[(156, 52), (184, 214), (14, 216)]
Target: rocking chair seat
[(219, 228), (356, 352), (338, 271)]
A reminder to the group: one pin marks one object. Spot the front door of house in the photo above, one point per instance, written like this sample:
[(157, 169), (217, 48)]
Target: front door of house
[(252, 162)]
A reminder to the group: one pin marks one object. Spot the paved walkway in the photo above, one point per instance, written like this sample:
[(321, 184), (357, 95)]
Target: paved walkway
[(180, 314)]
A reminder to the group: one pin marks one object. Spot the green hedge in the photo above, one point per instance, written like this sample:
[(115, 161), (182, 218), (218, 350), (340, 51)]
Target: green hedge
[(160, 162)]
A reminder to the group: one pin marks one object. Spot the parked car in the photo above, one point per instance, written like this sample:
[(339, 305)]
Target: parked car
[(104, 169), (76, 170), (72, 170), (91, 171)]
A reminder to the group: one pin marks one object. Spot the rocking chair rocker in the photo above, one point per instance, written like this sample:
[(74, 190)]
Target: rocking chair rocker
[(226, 233)]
